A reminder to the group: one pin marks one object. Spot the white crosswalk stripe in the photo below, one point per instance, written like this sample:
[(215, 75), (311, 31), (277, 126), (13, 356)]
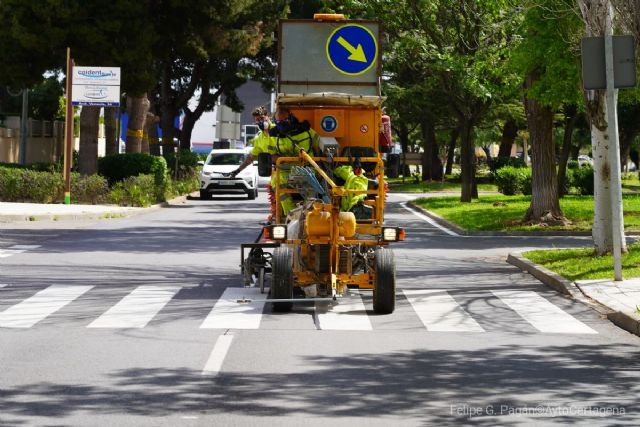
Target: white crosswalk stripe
[(348, 315), (136, 309), (542, 314), (16, 249), (229, 314), (42, 304), (438, 311)]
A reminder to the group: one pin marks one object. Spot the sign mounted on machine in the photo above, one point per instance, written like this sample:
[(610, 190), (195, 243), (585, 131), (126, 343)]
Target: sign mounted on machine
[(352, 49), (328, 123)]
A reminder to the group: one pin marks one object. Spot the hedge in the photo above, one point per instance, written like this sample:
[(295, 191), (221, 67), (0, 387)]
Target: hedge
[(117, 167), (513, 180)]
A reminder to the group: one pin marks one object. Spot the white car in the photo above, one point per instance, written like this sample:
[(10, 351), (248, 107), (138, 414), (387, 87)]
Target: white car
[(583, 160), (215, 177)]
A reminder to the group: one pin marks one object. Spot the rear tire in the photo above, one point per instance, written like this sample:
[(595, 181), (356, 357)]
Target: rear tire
[(384, 291), (282, 278)]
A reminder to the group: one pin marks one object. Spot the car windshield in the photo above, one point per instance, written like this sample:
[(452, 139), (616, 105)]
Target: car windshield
[(226, 159)]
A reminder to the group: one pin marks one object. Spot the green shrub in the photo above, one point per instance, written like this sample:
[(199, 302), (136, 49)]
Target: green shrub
[(497, 163), (117, 167), (582, 179), (513, 180), (183, 186), (573, 164), (140, 190), (187, 163), (92, 189), (26, 185)]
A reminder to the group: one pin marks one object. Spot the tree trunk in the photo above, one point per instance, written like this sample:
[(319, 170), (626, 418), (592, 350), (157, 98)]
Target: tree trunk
[(88, 154), (187, 128), (509, 133), (451, 150), (467, 161), (152, 130), (111, 136), (137, 108), (402, 132), (569, 123), (545, 206), (431, 164), (168, 112)]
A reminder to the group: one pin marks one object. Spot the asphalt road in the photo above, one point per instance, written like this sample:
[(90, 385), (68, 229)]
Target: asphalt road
[(128, 322)]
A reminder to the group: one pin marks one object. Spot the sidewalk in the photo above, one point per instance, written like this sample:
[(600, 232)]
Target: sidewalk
[(15, 212)]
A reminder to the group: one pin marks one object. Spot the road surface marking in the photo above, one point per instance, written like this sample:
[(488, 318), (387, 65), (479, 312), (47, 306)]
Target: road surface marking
[(16, 249), (230, 314), (218, 354), (429, 220), (39, 306), (349, 314), (439, 312), (3, 285), (136, 309), (541, 314)]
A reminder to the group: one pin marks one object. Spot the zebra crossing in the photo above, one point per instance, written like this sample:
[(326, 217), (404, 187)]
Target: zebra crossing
[(436, 310), (16, 249)]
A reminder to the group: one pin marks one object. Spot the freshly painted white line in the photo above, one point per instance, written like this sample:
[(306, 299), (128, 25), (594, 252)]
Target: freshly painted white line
[(230, 314), (3, 285), (541, 314), (5, 253), (136, 309), (42, 304), (439, 312), (218, 354), (349, 314), (430, 221), (24, 247)]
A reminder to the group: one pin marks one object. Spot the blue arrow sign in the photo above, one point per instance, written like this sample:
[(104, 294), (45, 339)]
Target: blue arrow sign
[(352, 49)]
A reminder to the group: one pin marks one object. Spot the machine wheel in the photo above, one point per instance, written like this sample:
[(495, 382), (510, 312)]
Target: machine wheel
[(384, 292), (282, 278), (205, 195), (261, 279)]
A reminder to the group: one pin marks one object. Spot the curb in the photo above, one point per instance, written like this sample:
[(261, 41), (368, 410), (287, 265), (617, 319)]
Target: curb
[(626, 321), (108, 214)]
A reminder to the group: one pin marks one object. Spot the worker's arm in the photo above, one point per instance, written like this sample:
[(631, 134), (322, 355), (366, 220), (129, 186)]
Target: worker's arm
[(244, 164)]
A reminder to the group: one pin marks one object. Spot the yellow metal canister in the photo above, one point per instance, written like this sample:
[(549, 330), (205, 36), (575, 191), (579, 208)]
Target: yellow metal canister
[(318, 223)]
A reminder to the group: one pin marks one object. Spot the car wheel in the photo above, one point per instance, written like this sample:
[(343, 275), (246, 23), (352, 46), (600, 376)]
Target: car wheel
[(205, 195), (251, 194)]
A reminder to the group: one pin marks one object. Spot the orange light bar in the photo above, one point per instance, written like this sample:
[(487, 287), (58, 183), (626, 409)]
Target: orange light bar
[(328, 17)]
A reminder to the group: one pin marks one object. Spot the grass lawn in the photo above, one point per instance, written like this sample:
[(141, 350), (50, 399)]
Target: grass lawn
[(409, 186), (581, 264), (503, 213)]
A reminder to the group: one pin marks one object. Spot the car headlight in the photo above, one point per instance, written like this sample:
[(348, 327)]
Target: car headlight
[(206, 173)]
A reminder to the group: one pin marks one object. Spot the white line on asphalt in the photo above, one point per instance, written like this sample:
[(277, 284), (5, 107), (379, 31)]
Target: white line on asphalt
[(218, 354), (542, 314), (16, 249), (3, 285), (439, 312), (136, 309), (429, 220), (39, 306), (349, 314), (228, 313)]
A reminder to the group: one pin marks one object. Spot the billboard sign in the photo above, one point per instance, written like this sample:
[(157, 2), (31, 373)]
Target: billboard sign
[(96, 86)]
